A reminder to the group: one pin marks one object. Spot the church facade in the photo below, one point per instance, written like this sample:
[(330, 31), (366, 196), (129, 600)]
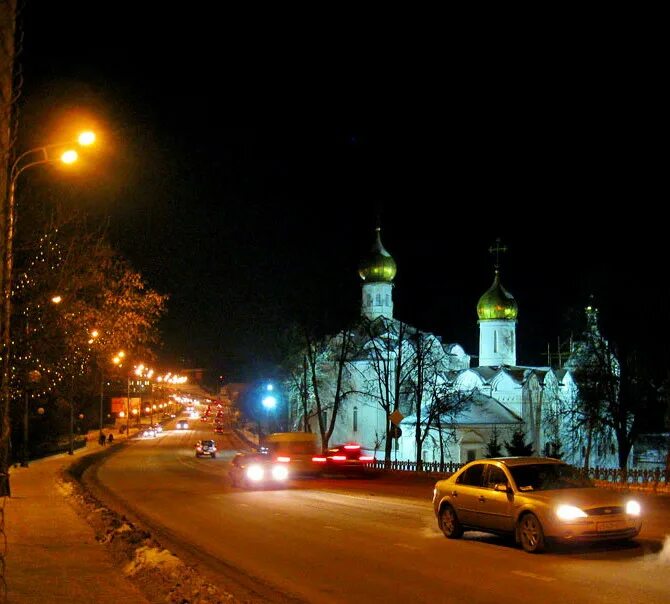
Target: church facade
[(383, 376)]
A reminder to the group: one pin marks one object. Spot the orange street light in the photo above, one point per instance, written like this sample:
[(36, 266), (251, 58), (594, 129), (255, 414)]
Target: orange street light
[(32, 158)]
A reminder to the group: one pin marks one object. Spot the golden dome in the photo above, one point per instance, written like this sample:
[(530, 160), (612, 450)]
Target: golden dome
[(497, 303), (378, 265)]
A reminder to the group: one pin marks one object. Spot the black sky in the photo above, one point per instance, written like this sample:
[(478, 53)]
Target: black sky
[(254, 155)]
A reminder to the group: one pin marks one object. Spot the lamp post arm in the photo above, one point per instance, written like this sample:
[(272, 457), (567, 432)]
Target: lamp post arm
[(16, 166)]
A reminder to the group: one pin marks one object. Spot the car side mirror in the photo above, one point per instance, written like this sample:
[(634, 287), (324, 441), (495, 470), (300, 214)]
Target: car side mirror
[(503, 488)]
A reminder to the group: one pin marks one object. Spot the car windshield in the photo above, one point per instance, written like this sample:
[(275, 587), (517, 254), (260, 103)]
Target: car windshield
[(207, 443), (546, 477)]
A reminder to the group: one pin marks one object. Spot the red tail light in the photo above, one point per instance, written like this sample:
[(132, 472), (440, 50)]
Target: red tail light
[(366, 458), (283, 459), (319, 459), (339, 458)]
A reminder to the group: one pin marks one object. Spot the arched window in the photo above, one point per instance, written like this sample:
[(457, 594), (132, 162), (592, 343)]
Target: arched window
[(368, 300), (355, 419), (378, 299), (495, 341)]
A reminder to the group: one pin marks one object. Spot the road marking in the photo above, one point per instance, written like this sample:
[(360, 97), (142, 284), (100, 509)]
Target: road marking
[(332, 528), (523, 573), (405, 546)]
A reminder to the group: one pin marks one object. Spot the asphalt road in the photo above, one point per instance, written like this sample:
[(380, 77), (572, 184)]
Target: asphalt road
[(359, 540)]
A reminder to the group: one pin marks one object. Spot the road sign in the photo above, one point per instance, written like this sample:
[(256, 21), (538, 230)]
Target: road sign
[(396, 417)]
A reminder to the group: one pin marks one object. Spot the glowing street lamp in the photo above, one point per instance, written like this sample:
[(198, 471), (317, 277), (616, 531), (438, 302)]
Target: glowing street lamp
[(32, 158)]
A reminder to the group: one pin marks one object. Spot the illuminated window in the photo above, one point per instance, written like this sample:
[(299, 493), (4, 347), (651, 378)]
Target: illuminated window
[(355, 419)]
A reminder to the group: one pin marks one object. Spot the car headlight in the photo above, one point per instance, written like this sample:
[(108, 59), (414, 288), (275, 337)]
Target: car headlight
[(255, 473), (633, 508), (280, 472), (569, 512)]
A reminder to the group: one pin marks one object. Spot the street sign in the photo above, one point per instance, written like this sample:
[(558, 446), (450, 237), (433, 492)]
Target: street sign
[(396, 417)]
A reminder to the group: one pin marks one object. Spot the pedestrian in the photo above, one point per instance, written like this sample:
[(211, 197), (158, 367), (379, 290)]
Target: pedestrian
[(110, 438), (102, 439)]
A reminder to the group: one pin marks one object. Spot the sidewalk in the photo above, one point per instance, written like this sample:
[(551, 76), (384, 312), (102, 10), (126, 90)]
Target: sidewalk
[(52, 554)]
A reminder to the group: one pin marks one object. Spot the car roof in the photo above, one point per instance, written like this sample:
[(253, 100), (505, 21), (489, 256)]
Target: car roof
[(522, 461)]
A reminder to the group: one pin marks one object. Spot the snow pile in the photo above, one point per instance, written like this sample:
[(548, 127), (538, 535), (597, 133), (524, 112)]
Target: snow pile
[(149, 557)]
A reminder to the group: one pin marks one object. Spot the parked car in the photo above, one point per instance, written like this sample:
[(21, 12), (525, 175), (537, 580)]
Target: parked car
[(256, 470), (536, 499), (205, 447)]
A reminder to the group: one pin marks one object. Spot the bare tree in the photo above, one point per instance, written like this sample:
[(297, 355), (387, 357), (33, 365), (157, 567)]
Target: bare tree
[(390, 359), (330, 375)]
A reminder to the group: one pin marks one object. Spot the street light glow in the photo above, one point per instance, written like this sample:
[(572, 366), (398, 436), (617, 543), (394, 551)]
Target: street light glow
[(269, 402), (86, 138), (69, 157), (57, 299)]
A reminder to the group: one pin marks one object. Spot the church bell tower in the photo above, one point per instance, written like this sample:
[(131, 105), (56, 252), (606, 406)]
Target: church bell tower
[(497, 311), (377, 271)]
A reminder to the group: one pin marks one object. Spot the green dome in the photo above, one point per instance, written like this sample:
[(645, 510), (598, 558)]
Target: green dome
[(378, 265), (497, 303)]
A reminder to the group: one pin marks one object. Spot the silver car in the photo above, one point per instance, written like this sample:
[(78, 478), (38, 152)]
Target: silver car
[(536, 499)]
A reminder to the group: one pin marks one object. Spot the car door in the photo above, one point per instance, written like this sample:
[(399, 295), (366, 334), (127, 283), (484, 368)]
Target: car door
[(494, 511), (466, 492)]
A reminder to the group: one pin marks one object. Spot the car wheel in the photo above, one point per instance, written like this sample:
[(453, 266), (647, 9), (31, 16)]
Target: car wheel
[(213, 455), (449, 523), (531, 534)]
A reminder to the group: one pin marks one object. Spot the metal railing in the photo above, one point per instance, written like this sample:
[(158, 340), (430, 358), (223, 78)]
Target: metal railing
[(653, 478)]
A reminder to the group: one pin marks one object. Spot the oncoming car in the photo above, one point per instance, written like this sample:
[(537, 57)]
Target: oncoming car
[(536, 499), (257, 469), (182, 424), (149, 433), (205, 447)]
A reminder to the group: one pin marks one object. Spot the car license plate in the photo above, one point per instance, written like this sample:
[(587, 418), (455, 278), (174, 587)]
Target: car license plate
[(615, 525)]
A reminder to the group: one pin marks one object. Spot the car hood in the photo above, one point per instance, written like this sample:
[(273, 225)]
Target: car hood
[(582, 498)]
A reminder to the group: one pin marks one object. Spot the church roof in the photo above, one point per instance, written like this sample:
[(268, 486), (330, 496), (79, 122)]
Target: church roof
[(487, 410), (486, 373), (378, 266), (497, 303), (484, 410)]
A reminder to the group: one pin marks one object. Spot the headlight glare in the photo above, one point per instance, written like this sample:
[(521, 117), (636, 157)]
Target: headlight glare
[(280, 472), (255, 473), (569, 512), (633, 508)]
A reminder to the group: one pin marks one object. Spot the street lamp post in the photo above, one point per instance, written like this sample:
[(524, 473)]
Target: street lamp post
[(29, 159), (269, 402)]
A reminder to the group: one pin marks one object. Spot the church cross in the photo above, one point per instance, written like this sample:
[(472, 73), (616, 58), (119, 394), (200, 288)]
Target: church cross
[(496, 250)]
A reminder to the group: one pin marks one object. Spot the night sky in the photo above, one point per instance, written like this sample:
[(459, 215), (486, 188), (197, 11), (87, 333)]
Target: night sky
[(250, 158)]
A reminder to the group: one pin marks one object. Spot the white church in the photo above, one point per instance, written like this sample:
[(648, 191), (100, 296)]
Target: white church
[(498, 394)]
